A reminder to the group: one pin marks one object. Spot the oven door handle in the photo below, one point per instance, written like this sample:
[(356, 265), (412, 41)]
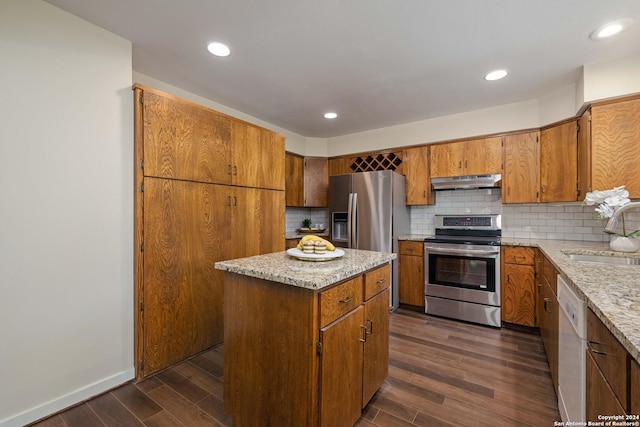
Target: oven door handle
[(481, 252)]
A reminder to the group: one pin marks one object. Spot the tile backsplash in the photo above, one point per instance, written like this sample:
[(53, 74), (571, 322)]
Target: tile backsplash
[(556, 221)]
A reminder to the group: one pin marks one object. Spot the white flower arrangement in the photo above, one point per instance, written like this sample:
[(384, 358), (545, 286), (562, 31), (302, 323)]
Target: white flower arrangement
[(608, 202)]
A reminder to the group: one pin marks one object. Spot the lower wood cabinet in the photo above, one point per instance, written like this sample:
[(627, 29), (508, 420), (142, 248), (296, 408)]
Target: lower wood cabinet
[(518, 285), (634, 391), (299, 357), (548, 311), (607, 372), (411, 272)]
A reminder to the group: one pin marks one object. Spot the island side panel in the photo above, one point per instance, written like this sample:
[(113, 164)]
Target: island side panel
[(271, 367)]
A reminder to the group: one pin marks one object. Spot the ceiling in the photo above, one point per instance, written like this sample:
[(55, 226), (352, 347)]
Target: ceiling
[(376, 63)]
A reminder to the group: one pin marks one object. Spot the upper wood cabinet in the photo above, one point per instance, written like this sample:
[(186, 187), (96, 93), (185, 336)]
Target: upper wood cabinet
[(584, 155), (183, 140), (472, 157), (307, 183), (615, 145), (418, 178), (339, 165), (316, 182), (294, 186), (258, 157), (559, 162), (520, 178)]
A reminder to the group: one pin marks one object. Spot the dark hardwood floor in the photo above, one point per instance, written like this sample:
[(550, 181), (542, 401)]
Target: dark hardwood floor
[(441, 373)]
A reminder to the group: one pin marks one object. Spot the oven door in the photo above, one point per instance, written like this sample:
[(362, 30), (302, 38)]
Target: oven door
[(463, 272)]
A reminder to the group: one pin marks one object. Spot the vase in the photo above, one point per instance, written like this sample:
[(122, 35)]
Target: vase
[(624, 244)]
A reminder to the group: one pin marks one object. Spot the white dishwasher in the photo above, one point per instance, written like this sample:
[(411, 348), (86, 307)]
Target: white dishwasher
[(572, 339)]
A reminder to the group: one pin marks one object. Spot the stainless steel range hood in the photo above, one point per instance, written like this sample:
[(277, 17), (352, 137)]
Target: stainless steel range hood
[(467, 182)]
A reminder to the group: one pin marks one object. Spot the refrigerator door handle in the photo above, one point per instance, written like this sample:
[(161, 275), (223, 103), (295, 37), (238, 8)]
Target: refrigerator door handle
[(354, 222), (349, 217)]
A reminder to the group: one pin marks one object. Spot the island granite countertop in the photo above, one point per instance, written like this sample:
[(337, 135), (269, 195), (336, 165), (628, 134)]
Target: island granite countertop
[(282, 268)]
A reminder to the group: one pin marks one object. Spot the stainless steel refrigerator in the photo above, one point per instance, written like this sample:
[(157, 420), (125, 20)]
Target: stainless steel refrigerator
[(368, 211)]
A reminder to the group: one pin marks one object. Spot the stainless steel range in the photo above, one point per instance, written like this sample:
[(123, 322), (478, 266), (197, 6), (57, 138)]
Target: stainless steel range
[(462, 265)]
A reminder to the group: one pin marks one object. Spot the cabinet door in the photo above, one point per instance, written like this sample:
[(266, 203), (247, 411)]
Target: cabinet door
[(294, 185), (184, 141), (418, 178), (520, 178), (584, 155), (518, 294), (634, 389), (341, 370), (316, 182), (483, 156), (447, 159), (600, 399), (559, 163), (258, 157), (615, 132), (376, 347), (339, 166), (609, 355), (411, 280), (258, 221), (186, 226)]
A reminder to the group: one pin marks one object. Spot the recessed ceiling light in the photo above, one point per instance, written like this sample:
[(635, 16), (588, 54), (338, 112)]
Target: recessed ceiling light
[(496, 75), (218, 49), (610, 29), (330, 115)]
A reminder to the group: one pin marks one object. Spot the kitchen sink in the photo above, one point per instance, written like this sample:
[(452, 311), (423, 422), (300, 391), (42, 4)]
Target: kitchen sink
[(602, 259)]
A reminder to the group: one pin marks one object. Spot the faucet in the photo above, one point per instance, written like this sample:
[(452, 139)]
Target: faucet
[(613, 221)]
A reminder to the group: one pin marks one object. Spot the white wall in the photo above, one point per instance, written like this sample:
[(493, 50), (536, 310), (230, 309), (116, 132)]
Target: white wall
[(521, 115), (611, 78), (66, 211)]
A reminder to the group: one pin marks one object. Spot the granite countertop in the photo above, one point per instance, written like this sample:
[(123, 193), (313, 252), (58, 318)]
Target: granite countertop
[(298, 235), (611, 291), (282, 268)]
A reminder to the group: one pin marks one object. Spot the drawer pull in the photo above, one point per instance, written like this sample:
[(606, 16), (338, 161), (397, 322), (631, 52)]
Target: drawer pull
[(381, 281), (540, 288), (346, 300), (370, 329), (593, 350), (546, 301)]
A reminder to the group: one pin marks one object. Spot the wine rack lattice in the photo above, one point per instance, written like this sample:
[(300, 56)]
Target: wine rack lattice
[(377, 162)]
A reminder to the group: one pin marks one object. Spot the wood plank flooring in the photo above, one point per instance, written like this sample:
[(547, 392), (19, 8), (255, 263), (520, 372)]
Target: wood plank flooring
[(441, 373)]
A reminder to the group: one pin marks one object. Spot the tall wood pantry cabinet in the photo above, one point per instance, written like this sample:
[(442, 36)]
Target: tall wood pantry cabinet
[(208, 187), (610, 146)]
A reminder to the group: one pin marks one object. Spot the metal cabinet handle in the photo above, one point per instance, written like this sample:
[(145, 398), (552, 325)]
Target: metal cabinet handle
[(228, 169), (364, 328), (346, 300), (540, 288), (546, 301), (235, 170), (593, 350), (381, 281), (370, 330)]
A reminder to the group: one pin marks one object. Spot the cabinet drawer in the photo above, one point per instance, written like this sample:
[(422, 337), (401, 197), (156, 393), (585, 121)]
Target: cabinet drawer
[(376, 280), (609, 355), (519, 255), (340, 300), (410, 247)]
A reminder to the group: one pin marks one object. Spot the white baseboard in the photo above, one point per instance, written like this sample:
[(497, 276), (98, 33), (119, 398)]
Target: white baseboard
[(67, 400)]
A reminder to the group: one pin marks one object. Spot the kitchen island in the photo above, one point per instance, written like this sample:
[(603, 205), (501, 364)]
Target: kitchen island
[(305, 343)]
